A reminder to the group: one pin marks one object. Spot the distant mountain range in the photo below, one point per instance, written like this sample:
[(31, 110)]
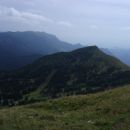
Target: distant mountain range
[(18, 49), (21, 48), (122, 54), (80, 71)]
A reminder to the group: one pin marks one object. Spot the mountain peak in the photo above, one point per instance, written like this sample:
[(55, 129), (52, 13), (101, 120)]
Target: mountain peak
[(87, 51), (87, 48)]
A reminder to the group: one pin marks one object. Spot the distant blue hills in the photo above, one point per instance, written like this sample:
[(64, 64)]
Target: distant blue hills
[(20, 48)]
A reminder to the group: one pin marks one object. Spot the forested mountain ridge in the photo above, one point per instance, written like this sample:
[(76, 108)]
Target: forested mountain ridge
[(81, 71)]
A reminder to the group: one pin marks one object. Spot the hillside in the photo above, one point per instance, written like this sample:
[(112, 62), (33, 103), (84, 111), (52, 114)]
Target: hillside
[(82, 71), (108, 110), (21, 48)]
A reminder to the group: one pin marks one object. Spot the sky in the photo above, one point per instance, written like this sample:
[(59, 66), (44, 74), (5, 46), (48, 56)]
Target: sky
[(105, 23)]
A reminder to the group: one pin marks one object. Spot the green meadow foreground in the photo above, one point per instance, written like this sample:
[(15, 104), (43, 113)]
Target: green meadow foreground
[(108, 110)]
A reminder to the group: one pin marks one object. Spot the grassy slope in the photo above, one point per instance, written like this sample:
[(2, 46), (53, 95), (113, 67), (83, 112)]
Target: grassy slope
[(108, 110)]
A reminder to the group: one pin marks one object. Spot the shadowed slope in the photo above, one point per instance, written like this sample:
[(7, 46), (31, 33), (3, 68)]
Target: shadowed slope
[(81, 71)]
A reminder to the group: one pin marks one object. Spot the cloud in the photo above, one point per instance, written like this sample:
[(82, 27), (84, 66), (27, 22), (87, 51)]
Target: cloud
[(111, 3), (12, 14), (65, 23), (28, 17), (103, 21)]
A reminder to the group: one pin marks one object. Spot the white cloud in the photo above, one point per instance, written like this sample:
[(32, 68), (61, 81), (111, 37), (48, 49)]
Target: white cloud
[(10, 15), (28, 17), (103, 21), (65, 23)]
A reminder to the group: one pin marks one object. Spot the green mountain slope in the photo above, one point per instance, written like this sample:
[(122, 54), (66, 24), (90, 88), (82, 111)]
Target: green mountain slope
[(82, 71), (108, 110)]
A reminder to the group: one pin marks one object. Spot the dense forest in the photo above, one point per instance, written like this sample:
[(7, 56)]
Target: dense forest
[(81, 71)]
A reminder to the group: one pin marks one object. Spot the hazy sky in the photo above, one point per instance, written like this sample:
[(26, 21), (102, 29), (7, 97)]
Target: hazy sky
[(102, 22)]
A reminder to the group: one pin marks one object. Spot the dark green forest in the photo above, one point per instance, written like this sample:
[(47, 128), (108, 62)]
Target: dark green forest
[(82, 71)]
